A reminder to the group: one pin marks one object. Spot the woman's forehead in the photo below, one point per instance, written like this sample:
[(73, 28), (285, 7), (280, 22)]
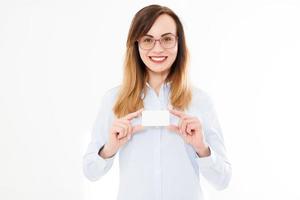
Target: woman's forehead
[(162, 25)]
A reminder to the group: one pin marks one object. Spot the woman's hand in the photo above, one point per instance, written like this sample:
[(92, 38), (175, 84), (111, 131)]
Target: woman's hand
[(191, 130), (120, 133)]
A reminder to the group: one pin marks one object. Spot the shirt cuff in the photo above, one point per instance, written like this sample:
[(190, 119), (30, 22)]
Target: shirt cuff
[(208, 161), (102, 163)]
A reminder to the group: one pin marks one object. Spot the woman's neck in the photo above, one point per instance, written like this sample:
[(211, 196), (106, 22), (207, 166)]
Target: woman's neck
[(156, 80)]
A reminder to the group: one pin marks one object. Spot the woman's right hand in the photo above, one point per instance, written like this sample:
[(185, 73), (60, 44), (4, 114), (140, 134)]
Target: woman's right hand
[(120, 133)]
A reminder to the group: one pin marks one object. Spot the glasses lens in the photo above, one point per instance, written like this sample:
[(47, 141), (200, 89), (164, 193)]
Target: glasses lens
[(168, 41), (146, 42)]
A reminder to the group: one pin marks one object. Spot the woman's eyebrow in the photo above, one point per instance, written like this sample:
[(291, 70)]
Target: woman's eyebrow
[(161, 35)]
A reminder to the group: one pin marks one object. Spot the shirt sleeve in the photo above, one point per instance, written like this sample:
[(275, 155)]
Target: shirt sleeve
[(94, 166), (216, 168)]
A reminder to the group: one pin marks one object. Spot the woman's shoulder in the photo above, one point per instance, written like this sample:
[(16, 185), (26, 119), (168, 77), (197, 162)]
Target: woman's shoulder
[(201, 100), (110, 94), (200, 95)]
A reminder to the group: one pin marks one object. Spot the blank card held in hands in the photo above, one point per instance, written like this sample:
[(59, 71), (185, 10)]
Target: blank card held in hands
[(155, 118)]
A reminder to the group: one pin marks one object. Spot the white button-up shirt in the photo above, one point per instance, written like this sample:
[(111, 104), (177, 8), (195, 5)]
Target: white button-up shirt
[(156, 164)]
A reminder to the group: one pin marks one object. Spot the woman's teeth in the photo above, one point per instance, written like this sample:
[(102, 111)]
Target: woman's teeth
[(158, 58)]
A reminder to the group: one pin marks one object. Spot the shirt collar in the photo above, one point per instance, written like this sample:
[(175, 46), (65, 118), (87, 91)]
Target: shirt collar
[(165, 84)]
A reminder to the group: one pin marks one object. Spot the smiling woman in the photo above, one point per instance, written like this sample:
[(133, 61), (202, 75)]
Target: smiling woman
[(158, 162), (156, 53)]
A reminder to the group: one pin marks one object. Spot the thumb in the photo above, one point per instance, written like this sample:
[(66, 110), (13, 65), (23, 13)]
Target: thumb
[(173, 128), (137, 128)]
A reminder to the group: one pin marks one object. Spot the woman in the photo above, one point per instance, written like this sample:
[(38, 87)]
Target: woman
[(158, 162)]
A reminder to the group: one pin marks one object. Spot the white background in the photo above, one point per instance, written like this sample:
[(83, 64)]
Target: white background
[(57, 58)]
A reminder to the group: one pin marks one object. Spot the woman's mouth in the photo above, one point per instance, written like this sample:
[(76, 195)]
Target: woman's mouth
[(158, 59)]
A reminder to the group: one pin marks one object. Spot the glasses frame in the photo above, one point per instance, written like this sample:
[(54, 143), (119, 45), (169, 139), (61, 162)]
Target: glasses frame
[(159, 40)]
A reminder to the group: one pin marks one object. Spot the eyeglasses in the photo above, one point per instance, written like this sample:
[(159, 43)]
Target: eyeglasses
[(167, 41)]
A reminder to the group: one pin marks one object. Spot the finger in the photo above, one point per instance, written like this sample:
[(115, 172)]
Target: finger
[(196, 122), (173, 128), (177, 112), (130, 116), (125, 139), (119, 132), (137, 128), (129, 128), (191, 125), (189, 129), (123, 120), (194, 119), (184, 125), (127, 125), (181, 126), (124, 128)]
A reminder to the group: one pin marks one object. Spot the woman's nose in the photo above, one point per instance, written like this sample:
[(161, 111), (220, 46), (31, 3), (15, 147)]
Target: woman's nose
[(157, 47)]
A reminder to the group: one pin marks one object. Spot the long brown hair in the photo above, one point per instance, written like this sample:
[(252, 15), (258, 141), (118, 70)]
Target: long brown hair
[(135, 73)]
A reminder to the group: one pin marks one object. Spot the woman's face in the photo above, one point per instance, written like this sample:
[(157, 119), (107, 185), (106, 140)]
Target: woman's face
[(159, 59)]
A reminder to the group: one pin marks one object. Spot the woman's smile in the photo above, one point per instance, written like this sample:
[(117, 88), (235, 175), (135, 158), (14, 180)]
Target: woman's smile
[(158, 59)]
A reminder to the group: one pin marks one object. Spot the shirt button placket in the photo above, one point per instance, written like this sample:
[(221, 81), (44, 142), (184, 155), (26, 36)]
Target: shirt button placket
[(157, 152), (157, 157), (157, 167)]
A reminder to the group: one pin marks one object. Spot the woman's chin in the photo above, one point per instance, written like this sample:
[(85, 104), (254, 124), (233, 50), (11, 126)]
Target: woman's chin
[(158, 69)]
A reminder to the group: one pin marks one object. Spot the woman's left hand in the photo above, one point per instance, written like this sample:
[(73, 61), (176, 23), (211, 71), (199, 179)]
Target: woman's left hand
[(190, 129)]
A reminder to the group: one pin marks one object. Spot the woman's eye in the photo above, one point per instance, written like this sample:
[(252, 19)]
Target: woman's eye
[(167, 39), (147, 40)]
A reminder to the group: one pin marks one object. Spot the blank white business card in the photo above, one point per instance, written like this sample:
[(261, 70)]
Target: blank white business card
[(155, 118)]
